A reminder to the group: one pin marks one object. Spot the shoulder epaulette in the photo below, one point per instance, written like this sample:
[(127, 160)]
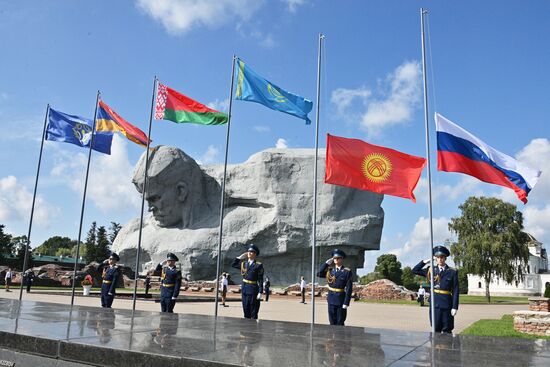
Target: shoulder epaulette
[(348, 269), (259, 263)]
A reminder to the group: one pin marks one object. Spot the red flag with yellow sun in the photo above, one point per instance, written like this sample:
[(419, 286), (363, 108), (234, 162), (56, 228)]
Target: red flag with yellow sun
[(360, 165)]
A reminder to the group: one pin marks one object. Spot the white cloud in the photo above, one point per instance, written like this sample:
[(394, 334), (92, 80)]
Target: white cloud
[(218, 105), (109, 187), (281, 144), (400, 95), (466, 186), (210, 155), (343, 97), (16, 202), (536, 213), (180, 16), (292, 5), (417, 246), (262, 128)]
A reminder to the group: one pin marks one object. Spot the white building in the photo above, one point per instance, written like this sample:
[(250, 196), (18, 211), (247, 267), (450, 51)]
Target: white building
[(535, 277)]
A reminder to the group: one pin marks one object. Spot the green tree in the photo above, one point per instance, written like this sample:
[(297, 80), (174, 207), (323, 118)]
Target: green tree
[(5, 243), (64, 252), (114, 228), (462, 281), (389, 267), (409, 280), (102, 248), (91, 242), (490, 240), (547, 291), (19, 245), (52, 244), (370, 277)]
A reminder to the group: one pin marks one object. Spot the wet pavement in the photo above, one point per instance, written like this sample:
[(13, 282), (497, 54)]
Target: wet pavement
[(85, 335)]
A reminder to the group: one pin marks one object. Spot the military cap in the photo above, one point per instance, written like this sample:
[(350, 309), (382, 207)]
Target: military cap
[(253, 247), (171, 256), (114, 256), (338, 253), (441, 251)]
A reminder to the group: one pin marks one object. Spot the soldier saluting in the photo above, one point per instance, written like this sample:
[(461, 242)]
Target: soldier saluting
[(446, 289), (253, 278), (170, 282), (340, 286), (109, 279)]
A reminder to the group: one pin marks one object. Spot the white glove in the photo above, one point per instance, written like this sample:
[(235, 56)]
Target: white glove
[(329, 261), (259, 296), (242, 256), (174, 298), (345, 306), (106, 261), (110, 294), (454, 311), (427, 261)]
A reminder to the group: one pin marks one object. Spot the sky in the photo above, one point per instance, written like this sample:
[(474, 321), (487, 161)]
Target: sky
[(487, 69)]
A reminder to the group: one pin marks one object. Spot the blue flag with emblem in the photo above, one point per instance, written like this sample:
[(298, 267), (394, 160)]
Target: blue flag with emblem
[(252, 87), (76, 130)]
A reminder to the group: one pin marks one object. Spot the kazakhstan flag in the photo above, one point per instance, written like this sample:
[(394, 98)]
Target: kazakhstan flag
[(252, 87)]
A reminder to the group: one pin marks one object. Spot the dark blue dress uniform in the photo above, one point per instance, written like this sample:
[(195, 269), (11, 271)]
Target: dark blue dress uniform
[(340, 287), (446, 292), (253, 278), (170, 285), (109, 279)]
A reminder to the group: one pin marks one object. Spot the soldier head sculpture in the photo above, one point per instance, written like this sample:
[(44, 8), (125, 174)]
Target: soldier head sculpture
[(175, 187)]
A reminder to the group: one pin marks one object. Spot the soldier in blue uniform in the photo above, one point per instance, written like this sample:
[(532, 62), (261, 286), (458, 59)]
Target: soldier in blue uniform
[(253, 279), (109, 279), (340, 286), (170, 282), (446, 291)]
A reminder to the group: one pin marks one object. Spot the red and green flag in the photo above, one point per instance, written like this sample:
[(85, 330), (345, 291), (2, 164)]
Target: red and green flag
[(174, 106)]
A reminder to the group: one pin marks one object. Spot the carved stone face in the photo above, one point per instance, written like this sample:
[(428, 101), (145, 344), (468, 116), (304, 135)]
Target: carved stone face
[(166, 202)]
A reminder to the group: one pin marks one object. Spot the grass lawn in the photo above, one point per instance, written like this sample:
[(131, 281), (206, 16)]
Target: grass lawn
[(503, 327), (464, 300)]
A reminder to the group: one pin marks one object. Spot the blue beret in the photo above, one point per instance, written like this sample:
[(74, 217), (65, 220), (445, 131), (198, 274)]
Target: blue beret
[(171, 256), (441, 251), (338, 253), (254, 248), (114, 256)]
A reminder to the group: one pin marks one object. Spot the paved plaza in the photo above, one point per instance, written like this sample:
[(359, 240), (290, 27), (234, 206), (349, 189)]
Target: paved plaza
[(375, 315), (51, 334)]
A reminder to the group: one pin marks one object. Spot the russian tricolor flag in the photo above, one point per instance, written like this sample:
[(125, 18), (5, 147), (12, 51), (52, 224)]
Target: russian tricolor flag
[(460, 151)]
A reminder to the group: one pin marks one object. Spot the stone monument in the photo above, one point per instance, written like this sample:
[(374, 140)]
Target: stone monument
[(269, 202)]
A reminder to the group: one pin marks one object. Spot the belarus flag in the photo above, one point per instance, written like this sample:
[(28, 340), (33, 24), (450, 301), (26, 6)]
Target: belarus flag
[(460, 151)]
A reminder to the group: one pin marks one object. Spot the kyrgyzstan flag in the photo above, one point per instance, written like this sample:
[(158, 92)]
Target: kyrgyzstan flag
[(360, 165)]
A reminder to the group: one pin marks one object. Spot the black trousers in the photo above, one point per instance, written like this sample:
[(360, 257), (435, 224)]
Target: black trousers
[(251, 306), (303, 291), (266, 294), (106, 300), (167, 304), (444, 321), (336, 315)]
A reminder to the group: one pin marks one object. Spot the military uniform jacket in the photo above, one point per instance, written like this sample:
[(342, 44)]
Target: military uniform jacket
[(340, 284), (253, 275), (109, 279), (170, 280), (445, 285)]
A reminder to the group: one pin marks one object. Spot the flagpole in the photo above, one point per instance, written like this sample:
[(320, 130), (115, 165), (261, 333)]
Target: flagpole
[(222, 199), (432, 309), (84, 198), (33, 202), (143, 191), (314, 220)]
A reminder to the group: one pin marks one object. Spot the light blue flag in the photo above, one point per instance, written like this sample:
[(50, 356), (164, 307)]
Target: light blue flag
[(252, 87)]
